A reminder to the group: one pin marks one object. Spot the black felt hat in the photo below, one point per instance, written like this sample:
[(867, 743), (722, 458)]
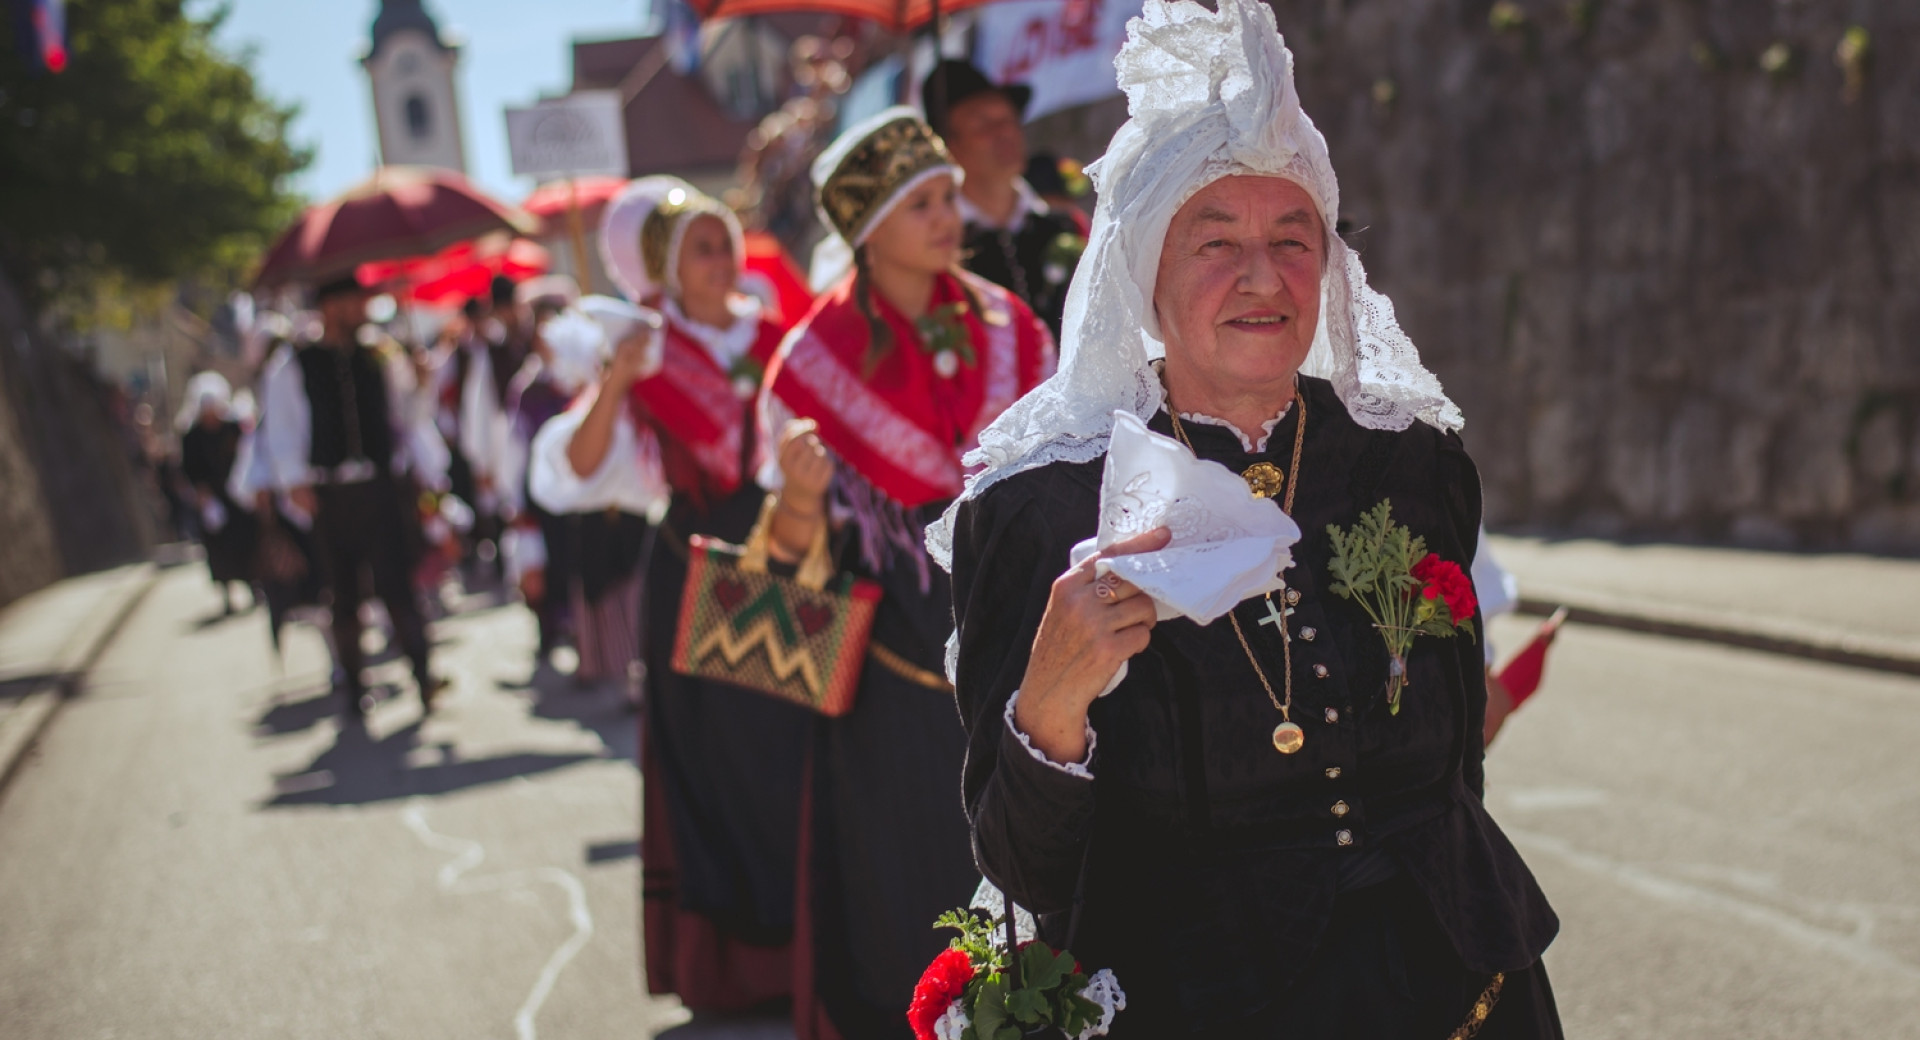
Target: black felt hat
[(953, 81), (346, 283)]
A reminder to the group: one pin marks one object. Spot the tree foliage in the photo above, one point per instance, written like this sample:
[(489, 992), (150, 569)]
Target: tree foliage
[(154, 156)]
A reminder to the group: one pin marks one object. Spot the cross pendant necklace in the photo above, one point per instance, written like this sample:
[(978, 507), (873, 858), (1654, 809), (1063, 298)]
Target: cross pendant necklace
[(1288, 737), (1277, 618)]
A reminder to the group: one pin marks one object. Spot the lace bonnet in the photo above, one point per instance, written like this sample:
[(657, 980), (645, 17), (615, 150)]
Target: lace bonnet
[(644, 226), (1210, 95)]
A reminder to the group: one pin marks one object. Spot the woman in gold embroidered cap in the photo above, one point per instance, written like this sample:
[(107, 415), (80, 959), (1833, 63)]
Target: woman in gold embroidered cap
[(1204, 765), (872, 401)]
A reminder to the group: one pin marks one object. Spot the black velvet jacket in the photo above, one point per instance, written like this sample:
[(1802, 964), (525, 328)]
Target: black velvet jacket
[(1211, 862)]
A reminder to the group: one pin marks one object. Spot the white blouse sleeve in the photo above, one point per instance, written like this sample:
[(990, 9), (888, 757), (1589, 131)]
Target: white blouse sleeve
[(629, 479), (283, 439)]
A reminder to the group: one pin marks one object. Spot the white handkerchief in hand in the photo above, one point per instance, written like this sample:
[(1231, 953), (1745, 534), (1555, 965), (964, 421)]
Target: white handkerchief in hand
[(620, 319), (1228, 544)]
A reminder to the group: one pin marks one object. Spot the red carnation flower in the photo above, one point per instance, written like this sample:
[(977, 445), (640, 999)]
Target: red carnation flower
[(1444, 580), (945, 980)]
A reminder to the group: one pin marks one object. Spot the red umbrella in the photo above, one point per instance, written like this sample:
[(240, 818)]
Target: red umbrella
[(551, 200), (898, 16), (400, 211), (459, 271)]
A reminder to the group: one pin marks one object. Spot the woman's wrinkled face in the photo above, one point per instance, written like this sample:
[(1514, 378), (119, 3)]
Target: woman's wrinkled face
[(922, 233), (708, 269), (1238, 289)]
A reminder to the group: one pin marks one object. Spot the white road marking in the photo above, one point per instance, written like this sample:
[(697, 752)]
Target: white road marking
[(469, 854), (1855, 947)]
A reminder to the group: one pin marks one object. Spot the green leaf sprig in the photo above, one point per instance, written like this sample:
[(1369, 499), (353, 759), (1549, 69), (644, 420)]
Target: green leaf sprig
[(1372, 565), (941, 329), (1049, 990)]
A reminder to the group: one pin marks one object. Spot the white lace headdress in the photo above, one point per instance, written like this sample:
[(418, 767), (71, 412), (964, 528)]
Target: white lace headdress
[(1210, 95)]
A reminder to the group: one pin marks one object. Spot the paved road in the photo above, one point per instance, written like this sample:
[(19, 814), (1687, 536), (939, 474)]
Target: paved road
[(197, 850), (1732, 840)]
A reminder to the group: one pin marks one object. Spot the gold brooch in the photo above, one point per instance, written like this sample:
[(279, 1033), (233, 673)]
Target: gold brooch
[(1264, 479)]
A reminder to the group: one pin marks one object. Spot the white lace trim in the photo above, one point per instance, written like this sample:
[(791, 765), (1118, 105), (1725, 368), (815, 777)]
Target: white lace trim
[(988, 899), (952, 1025), (1210, 95), (1081, 769), (1103, 989), (1253, 446)]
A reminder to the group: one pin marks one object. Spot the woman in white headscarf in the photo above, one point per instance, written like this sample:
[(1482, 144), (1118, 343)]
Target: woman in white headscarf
[(1246, 832), (722, 764), (209, 446)]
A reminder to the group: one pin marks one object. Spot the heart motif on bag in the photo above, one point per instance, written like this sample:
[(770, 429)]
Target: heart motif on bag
[(814, 617), (729, 593)]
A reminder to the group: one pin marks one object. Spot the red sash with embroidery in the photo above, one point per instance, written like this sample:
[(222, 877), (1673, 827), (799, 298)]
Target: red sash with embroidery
[(905, 426), (691, 402)]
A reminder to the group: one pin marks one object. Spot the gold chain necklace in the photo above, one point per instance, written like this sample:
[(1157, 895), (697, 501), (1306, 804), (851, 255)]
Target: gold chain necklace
[(1262, 478)]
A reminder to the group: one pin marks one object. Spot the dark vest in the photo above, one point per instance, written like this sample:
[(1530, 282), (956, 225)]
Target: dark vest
[(1025, 262), (347, 394)]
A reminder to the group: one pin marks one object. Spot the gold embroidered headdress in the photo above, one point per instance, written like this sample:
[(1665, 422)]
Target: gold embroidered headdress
[(868, 169)]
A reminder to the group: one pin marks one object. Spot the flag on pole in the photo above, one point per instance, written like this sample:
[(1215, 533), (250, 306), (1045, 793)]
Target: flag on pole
[(41, 28)]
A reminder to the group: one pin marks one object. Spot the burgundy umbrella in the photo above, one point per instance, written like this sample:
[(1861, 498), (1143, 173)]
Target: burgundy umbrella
[(401, 211)]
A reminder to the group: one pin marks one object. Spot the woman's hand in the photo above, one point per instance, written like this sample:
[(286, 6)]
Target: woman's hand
[(632, 357), (804, 463), (1091, 627), (806, 471)]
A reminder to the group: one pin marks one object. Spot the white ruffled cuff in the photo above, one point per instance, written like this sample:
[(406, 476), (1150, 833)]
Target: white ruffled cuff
[(1081, 769)]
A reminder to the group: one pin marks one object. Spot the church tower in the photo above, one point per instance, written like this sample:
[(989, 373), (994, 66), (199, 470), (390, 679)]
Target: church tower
[(414, 101)]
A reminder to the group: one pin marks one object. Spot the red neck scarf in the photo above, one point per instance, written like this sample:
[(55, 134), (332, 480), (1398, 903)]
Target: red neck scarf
[(702, 419), (904, 427)]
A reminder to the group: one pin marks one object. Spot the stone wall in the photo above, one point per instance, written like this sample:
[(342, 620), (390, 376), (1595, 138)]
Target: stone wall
[(71, 500), (1664, 254)]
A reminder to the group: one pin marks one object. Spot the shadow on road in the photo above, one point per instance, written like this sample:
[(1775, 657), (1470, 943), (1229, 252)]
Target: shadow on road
[(601, 707), (360, 769), (298, 716)]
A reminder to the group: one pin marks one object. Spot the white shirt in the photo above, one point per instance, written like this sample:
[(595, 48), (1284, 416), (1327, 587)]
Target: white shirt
[(629, 479), (283, 441), (1027, 202)]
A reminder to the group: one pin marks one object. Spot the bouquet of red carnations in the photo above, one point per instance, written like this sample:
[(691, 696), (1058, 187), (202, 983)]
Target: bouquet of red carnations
[(976, 990), (1405, 589)]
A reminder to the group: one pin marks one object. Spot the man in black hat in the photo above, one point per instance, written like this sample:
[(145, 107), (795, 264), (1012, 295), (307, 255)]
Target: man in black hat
[(339, 436), (1012, 237)]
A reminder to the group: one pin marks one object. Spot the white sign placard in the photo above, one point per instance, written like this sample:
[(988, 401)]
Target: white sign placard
[(580, 134), (1063, 49)]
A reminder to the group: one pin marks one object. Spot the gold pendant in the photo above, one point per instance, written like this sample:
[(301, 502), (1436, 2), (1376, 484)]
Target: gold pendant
[(1288, 738), (1264, 479)]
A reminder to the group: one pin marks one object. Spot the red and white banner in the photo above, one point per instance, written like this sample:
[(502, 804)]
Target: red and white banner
[(1063, 49)]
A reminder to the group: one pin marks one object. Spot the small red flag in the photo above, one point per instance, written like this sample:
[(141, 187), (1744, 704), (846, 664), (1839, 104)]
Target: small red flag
[(1521, 676)]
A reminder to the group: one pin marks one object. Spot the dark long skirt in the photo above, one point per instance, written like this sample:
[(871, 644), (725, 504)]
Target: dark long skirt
[(889, 846), (1383, 971), (207, 456), (723, 765), (600, 577)]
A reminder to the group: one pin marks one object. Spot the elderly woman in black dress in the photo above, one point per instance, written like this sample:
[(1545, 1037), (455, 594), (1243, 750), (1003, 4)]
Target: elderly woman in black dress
[(1242, 830)]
